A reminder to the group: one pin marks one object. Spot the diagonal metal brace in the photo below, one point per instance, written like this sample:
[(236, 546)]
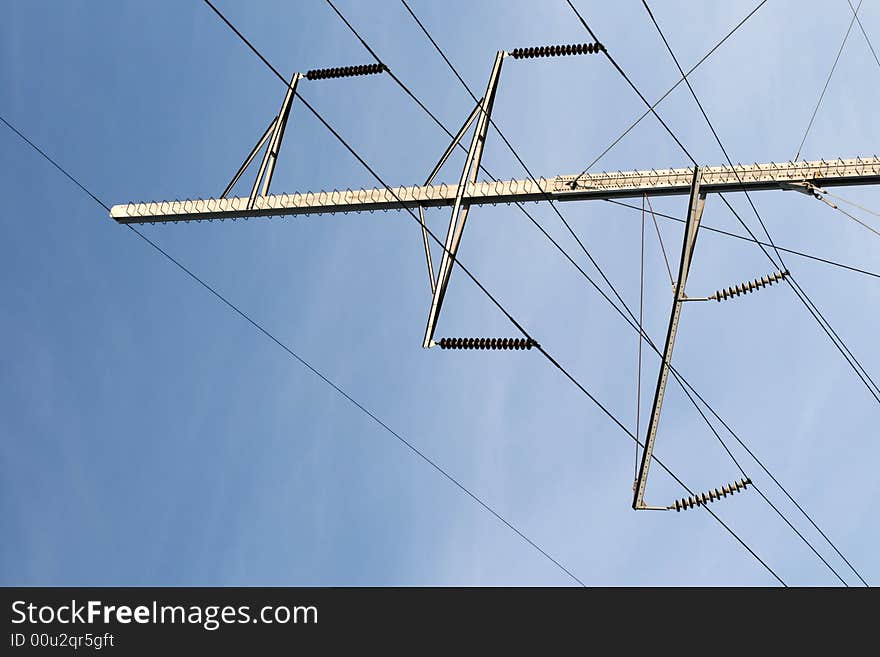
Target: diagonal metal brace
[(459, 208), (273, 134), (695, 212), (455, 140), (250, 158)]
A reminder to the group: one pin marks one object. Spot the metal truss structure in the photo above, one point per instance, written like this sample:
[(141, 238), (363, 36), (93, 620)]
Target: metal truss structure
[(695, 183)]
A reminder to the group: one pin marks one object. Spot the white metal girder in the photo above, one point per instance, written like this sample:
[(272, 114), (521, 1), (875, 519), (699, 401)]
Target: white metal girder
[(622, 184)]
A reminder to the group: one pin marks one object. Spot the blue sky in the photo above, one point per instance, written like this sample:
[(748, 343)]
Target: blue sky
[(150, 436)]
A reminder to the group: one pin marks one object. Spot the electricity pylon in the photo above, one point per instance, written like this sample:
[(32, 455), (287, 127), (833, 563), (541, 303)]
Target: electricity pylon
[(696, 183)]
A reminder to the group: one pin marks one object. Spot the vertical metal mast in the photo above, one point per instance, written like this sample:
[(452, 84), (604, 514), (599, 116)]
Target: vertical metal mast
[(459, 209), (695, 212)]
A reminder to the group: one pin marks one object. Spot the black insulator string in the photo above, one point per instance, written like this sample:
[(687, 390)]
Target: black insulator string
[(345, 71), (556, 51)]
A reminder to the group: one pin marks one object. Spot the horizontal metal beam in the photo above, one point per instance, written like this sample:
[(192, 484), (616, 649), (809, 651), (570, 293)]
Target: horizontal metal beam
[(622, 184)]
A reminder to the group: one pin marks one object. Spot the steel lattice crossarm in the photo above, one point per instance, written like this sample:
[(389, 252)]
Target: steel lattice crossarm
[(693, 182), (622, 184)]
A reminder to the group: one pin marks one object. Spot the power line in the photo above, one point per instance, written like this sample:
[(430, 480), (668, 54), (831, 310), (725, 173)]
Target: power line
[(824, 324), (862, 28), (721, 145), (811, 307), (852, 203), (749, 239), (640, 329), (854, 363), (805, 299), (855, 219), (828, 80), (779, 485), (767, 499), (54, 164), (660, 239), (757, 460), (709, 123), (663, 123), (485, 291), (669, 91), (626, 78), (819, 193), (373, 417), (304, 362)]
